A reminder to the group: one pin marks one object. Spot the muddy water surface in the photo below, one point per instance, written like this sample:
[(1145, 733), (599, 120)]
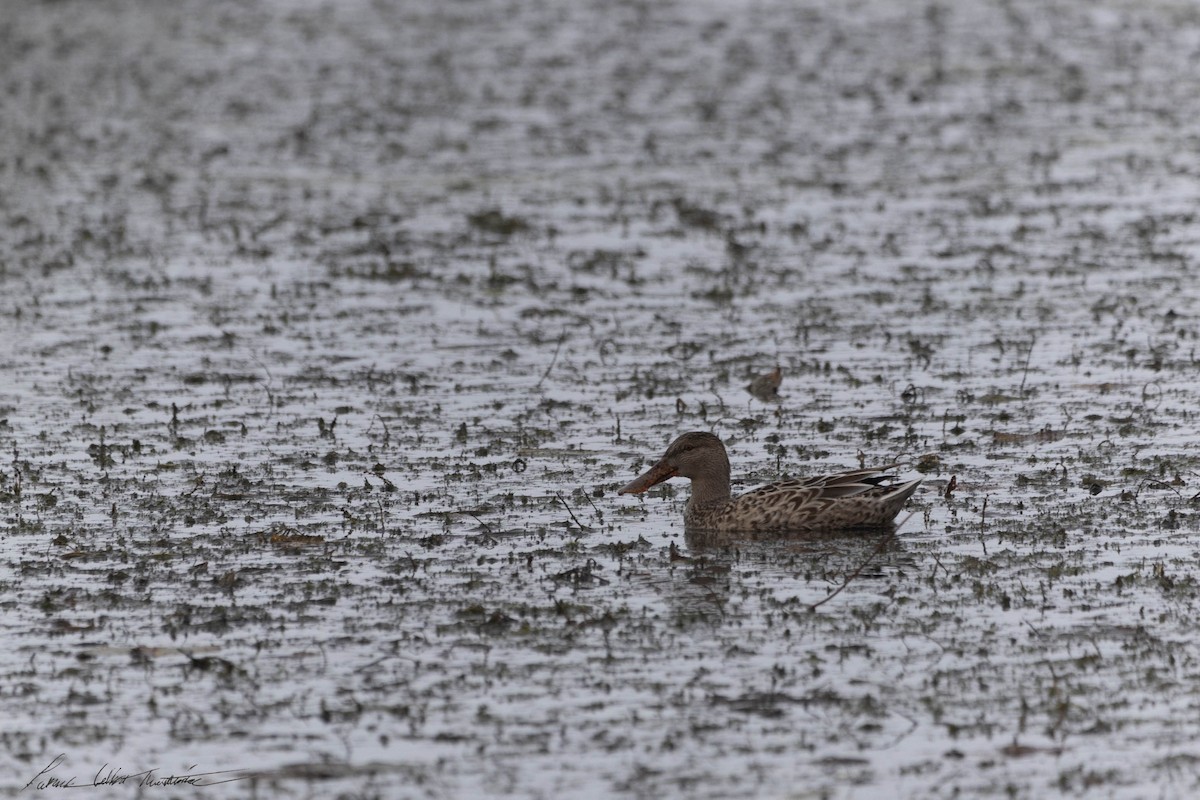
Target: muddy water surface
[(332, 329)]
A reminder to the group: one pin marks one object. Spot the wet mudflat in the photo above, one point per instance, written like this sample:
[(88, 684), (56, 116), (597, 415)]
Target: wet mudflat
[(332, 329)]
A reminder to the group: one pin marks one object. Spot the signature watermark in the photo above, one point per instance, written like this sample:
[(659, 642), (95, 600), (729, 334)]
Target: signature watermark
[(52, 776)]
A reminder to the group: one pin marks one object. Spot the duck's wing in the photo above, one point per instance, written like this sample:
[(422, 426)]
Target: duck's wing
[(830, 487), (864, 498)]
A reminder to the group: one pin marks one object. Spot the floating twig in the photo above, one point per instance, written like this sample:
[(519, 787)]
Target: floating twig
[(1025, 372), (878, 549), (486, 528), (562, 337), (599, 513), (569, 511)]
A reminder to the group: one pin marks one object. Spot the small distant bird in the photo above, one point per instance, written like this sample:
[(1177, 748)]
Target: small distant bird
[(859, 499), (766, 387)]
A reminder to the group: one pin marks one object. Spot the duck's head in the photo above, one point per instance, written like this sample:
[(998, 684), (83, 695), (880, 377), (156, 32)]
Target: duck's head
[(693, 455)]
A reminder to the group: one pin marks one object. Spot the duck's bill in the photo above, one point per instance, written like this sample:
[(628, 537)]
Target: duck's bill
[(653, 476)]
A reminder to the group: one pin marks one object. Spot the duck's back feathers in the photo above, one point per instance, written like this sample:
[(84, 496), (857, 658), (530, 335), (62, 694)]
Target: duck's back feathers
[(859, 499)]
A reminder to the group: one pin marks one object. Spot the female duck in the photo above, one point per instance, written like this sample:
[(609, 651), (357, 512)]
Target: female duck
[(844, 501)]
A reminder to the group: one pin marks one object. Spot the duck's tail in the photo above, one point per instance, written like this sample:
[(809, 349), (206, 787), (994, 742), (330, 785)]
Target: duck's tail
[(899, 495)]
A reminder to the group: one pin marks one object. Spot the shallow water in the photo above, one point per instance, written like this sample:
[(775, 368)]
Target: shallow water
[(334, 329)]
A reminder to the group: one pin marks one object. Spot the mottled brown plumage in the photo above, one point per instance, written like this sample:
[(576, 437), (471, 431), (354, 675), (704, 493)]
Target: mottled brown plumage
[(857, 499)]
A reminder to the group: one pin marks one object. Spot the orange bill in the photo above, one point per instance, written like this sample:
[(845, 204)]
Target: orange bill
[(655, 475)]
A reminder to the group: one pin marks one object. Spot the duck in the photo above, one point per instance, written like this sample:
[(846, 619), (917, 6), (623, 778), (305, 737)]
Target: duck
[(766, 387), (861, 499)]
